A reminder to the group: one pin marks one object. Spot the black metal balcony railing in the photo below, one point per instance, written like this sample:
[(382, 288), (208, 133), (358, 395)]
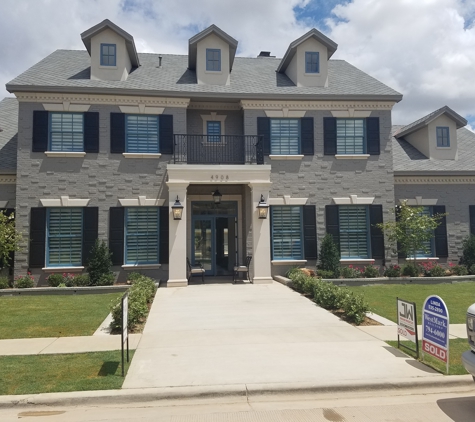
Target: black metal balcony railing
[(218, 149)]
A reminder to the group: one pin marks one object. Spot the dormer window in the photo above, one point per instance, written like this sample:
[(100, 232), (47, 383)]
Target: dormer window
[(443, 138), (108, 55), (312, 62), (213, 59)]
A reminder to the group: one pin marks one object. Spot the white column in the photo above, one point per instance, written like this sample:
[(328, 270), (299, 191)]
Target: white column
[(177, 261), (261, 251)]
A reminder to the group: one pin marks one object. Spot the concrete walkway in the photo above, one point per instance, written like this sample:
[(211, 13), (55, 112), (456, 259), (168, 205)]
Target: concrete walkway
[(210, 335)]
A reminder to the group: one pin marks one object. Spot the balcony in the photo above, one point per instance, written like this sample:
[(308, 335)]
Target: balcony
[(218, 149)]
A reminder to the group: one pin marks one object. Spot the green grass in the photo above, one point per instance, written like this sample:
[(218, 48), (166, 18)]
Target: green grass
[(456, 348), (382, 298), (69, 372), (52, 316)]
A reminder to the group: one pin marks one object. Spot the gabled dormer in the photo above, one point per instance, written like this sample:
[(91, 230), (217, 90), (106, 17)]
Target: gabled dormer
[(435, 135), (211, 54), (112, 51), (306, 60)]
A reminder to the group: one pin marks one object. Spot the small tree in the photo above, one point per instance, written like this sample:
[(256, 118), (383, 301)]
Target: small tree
[(99, 265), (9, 239), (329, 255), (468, 256), (412, 229)]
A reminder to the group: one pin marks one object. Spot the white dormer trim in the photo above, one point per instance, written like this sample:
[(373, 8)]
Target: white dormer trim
[(287, 200), (351, 113), (142, 201), (285, 112), (64, 201), (141, 108), (213, 117), (67, 106), (418, 202), (353, 200)]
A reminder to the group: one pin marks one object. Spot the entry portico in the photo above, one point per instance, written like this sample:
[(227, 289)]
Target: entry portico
[(252, 233)]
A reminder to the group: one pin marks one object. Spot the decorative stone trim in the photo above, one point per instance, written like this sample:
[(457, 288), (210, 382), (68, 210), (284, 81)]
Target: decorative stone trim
[(64, 154), (286, 157), (67, 106), (289, 262), (62, 269), (434, 180), (356, 261), (64, 201), (352, 156), (353, 200), (128, 267), (316, 105), (422, 259), (287, 200), (141, 108), (418, 201), (285, 112), (213, 117), (136, 155), (7, 179), (196, 105), (351, 113), (142, 201)]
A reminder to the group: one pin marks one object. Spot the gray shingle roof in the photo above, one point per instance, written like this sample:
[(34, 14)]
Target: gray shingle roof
[(8, 137), (254, 78), (408, 160)]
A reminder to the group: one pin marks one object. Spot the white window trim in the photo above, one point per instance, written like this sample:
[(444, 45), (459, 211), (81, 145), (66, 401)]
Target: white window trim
[(131, 267), (62, 269), (353, 200), (213, 117), (141, 201), (65, 154), (419, 202), (289, 262), (67, 106), (141, 155), (352, 156), (287, 200), (423, 258), (286, 157), (357, 261), (64, 201), (141, 108)]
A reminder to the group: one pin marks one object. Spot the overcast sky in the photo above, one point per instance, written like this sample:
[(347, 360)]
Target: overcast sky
[(424, 49)]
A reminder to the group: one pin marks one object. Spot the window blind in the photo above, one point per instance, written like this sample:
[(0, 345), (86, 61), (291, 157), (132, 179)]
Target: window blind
[(285, 134), (287, 233), (142, 134), (350, 136), (353, 232), (141, 235), (66, 132)]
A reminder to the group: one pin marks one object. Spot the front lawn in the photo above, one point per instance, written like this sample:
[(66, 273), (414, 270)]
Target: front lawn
[(53, 316), (382, 298), (34, 374)]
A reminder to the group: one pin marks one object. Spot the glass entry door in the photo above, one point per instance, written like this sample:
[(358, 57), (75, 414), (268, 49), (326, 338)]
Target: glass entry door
[(204, 244)]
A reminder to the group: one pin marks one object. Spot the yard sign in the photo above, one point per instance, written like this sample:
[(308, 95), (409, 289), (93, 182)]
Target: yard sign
[(125, 331), (407, 323), (435, 329)]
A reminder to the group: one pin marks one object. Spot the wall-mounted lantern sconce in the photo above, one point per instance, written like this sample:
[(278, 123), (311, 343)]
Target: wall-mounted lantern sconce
[(217, 196), (177, 209), (262, 208)]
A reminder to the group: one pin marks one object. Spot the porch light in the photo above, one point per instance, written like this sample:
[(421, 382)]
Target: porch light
[(177, 209), (217, 196), (262, 208)]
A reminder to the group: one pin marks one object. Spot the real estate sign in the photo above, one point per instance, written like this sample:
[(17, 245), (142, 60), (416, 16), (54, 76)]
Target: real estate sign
[(407, 323), (435, 329)]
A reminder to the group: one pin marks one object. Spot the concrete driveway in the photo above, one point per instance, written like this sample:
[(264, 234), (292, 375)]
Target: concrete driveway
[(224, 334)]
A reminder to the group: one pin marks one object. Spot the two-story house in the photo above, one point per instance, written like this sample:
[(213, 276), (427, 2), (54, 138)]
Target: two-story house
[(207, 156)]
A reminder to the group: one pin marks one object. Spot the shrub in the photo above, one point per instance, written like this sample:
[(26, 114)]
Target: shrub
[(468, 255), (81, 280), (410, 270), (329, 296), (298, 279), (4, 283), (325, 274), (459, 269), (132, 277), (309, 284), (431, 269), (54, 280), (471, 270), (371, 271), (329, 255), (24, 282), (355, 308), (392, 271), (351, 272), (99, 265)]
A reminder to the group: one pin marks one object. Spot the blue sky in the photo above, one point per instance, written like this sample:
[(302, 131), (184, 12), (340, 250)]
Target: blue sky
[(424, 49)]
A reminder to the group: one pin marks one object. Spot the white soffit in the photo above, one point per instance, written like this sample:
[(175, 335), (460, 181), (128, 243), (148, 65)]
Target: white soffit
[(353, 200), (142, 201), (287, 200), (64, 201), (419, 202)]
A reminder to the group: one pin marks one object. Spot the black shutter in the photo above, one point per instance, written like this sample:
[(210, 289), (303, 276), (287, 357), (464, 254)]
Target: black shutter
[(400, 254), (440, 233), (329, 135), (90, 231), (377, 237), (471, 209), (332, 220), (165, 123), (116, 234), (263, 129), (91, 132), (373, 138), (40, 131), (310, 231), (164, 229), (37, 237), (117, 130), (307, 137)]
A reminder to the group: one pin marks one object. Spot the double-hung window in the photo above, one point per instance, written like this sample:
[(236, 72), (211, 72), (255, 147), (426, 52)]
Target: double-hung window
[(141, 235), (213, 59), (443, 139), (354, 232), (66, 132), (284, 136), (64, 237), (350, 136), (108, 55), (312, 62), (142, 133), (428, 248), (287, 232), (213, 130)]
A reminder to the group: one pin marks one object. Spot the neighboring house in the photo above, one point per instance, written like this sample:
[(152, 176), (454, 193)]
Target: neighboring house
[(109, 140), (8, 152)]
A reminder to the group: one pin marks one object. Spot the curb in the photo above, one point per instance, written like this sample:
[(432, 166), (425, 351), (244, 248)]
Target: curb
[(39, 291), (236, 391)]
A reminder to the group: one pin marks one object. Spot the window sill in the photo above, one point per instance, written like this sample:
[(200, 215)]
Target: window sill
[(352, 156), (313, 74), (286, 157), (289, 262), (427, 258), (130, 267), (62, 269), (215, 72), (357, 261), (445, 148), (141, 155), (65, 154), (103, 66)]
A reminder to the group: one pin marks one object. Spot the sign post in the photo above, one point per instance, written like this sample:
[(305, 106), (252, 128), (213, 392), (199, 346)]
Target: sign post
[(407, 324), (125, 330), (435, 329)]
